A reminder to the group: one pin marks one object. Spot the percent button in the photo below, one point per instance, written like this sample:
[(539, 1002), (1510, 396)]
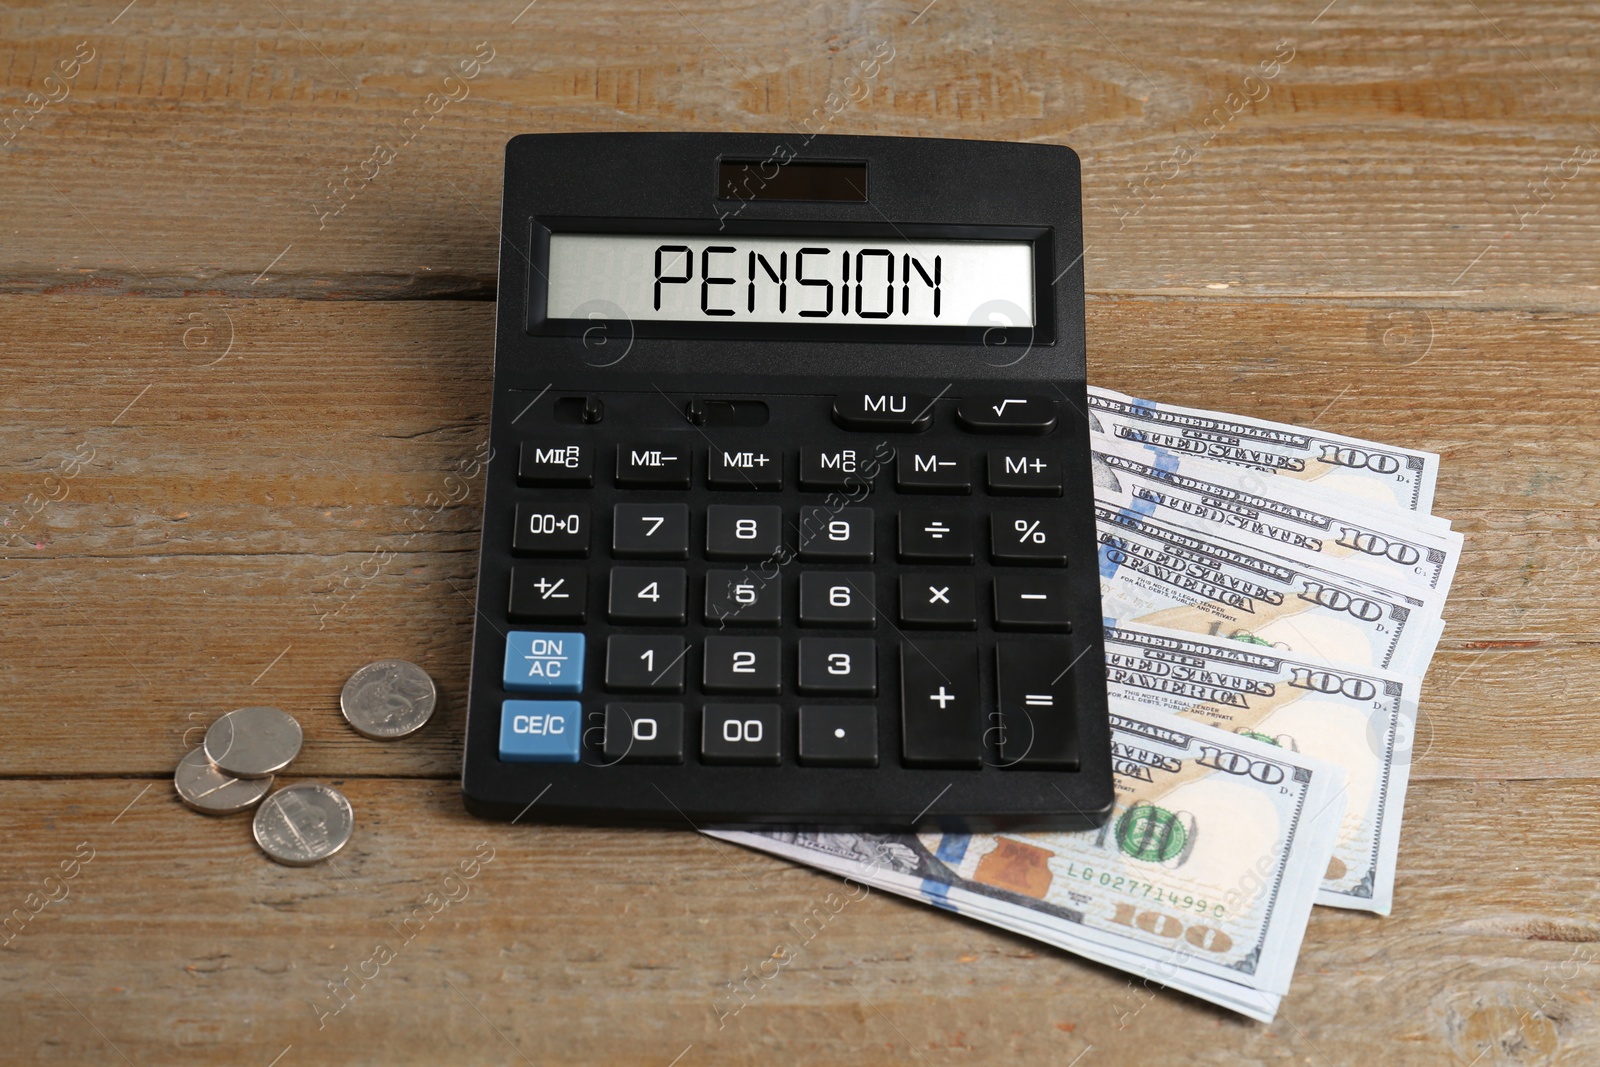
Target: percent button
[(1027, 537)]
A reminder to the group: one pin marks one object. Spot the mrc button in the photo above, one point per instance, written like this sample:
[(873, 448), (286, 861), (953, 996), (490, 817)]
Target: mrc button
[(539, 731), (543, 662), (890, 412)]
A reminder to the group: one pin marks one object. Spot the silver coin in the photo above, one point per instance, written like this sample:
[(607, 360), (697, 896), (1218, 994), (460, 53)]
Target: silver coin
[(304, 824), (253, 742), (206, 789), (388, 699)]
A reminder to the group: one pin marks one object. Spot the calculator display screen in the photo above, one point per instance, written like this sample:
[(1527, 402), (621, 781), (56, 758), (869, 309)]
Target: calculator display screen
[(876, 281)]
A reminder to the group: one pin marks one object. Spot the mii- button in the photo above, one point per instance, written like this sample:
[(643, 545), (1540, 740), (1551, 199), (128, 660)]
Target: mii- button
[(539, 662)]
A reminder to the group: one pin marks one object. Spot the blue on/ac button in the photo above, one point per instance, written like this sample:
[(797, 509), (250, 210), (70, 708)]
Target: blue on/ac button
[(543, 662), (539, 731)]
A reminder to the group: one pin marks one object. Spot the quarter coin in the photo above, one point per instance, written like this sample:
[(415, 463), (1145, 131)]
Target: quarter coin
[(303, 824), (253, 742), (388, 699), (206, 789)]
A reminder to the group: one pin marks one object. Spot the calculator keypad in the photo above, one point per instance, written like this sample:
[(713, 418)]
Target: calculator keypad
[(817, 606)]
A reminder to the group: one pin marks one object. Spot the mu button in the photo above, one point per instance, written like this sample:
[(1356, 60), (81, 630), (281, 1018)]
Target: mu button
[(889, 412)]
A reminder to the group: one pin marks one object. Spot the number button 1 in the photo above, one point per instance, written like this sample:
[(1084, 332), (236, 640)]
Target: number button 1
[(648, 595), (645, 664), (650, 531)]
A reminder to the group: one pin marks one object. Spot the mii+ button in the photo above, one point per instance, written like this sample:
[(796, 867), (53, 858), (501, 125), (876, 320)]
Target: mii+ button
[(543, 662), (539, 731)]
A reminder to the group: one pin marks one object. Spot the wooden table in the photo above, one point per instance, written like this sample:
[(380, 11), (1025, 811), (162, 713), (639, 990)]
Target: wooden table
[(243, 361)]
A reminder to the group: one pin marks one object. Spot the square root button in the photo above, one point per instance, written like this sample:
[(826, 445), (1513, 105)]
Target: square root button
[(540, 731), (538, 662)]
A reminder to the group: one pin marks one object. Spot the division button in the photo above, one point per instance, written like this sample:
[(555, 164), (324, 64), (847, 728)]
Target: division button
[(743, 531), (935, 537), (551, 530), (539, 731), (839, 598), (839, 666), (641, 732), (653, 595), (558, 463), (941, 714), (548, 593), (1019, 473), (1028, 537), (538, 662), (743, 598), (1031, 602), (843, 735), (938, 601), (932, 470), (650, 531), (759, 469), (742, 733), (653, 466), (838, 535), (742, 665), (637, 664), (1038, 721), (886, 412), (1007, 414)]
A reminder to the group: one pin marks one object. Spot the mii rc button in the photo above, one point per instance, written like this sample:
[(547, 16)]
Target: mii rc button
[(543, 662), (540, 731)]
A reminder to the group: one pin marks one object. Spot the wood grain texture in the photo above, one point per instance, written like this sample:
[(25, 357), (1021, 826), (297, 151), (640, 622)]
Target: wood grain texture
[(234, 421), (613, 947), (1413, 147)]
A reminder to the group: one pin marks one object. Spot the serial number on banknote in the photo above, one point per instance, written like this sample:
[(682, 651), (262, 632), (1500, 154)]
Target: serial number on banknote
[(1122, 883)]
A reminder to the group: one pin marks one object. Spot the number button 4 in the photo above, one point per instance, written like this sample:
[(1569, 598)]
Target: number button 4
[(648, 595)]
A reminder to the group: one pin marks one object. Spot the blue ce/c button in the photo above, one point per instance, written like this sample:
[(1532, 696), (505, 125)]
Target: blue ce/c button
[(543, 662), (539, 731)]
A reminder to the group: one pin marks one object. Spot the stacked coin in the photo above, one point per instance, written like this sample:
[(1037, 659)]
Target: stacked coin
[(305, 823)]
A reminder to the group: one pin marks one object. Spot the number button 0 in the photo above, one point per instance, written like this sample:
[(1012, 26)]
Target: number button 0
[(742, 733), (645, 664), (742, 664), (743, 598), (638, 732), (648, 595), (650, 531), (843, 535)]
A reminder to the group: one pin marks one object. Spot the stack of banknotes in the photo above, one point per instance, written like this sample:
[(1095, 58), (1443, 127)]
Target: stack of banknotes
[(1272, 598)]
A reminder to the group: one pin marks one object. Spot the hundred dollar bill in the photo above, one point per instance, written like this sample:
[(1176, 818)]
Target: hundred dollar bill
[(1392, 549), (1358, 719), (1207, 867), (1385, 475), (1164, 574)]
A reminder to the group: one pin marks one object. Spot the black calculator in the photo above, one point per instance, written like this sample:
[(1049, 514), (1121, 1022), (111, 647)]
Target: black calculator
[(789, 515)]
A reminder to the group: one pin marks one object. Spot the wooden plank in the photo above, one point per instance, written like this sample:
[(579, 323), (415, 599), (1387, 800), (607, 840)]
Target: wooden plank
[(1361, 155), (180, 943)]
